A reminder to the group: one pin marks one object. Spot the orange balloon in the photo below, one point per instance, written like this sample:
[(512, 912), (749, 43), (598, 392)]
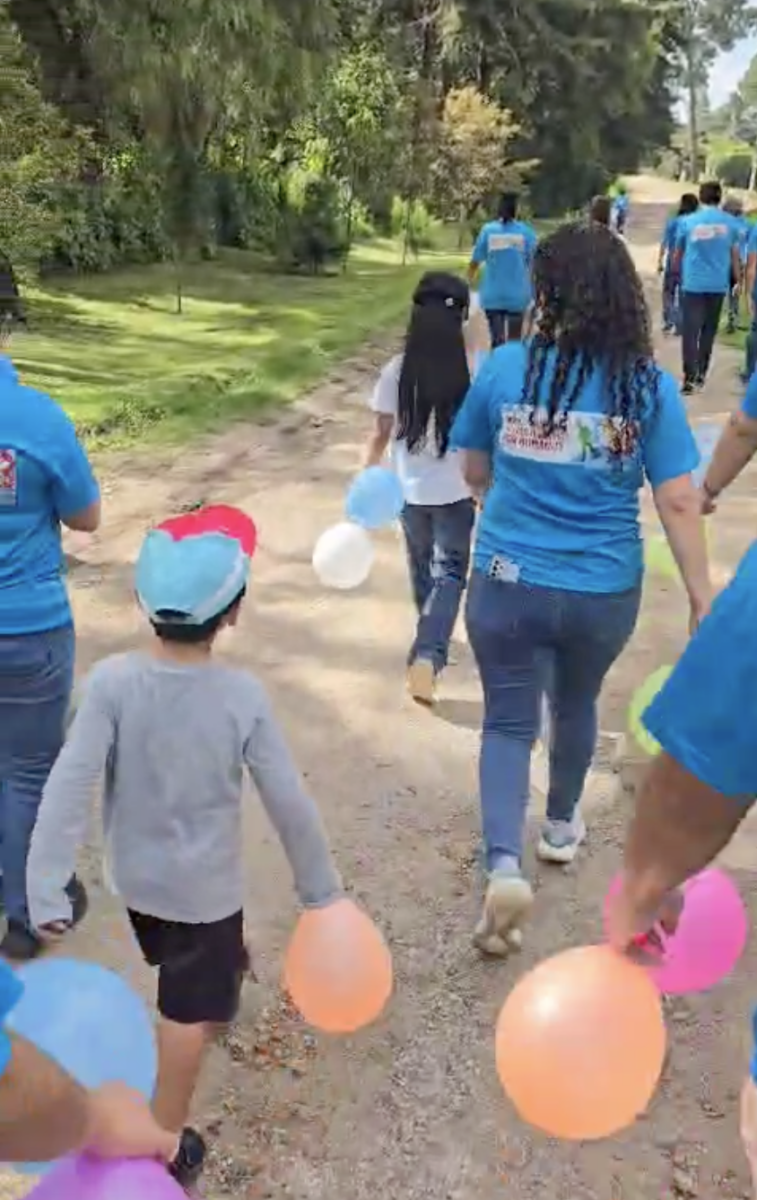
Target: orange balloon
[(580, 1043), (338, 969)]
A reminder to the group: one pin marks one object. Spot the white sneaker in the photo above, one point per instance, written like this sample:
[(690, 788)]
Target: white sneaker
[(506, 905), (560, 840)]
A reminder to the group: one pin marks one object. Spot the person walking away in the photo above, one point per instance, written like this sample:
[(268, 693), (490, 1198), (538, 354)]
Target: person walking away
[(750, 287), (415, 402), (45, 482), (735, 209), (707, 256), (563, 433), (666, 266), (171, 732), (505, 250), (620, 208)]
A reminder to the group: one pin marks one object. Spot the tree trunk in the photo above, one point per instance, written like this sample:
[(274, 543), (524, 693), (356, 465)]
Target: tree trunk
[(693, 105), (178, 280), (753, 173)]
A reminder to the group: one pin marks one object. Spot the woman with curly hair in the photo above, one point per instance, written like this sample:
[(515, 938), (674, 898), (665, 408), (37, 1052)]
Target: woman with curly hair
[(562, 432)]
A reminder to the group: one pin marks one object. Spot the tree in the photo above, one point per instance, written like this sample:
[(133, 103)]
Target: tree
[(362, 119), (471, 164), (706, 27), (39, 153)]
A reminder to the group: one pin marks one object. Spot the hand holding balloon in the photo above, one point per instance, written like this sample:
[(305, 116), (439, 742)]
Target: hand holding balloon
[(690, 943)]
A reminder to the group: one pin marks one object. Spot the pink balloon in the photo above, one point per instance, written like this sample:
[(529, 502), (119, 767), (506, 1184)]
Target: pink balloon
[(88, 1178), (710, 937)]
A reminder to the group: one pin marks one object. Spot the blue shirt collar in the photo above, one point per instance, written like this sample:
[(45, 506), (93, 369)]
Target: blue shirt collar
[(8, 373)]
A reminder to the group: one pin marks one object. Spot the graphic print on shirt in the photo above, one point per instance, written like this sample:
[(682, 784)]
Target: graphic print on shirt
[(582, 439), (706, 233), (8, 478), (506, 241)]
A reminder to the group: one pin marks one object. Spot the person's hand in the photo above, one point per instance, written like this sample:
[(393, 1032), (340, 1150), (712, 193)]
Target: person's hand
[(636, 926), (121, 1125), (698, 610)]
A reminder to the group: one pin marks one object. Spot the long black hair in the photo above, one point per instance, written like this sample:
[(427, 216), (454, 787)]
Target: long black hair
[(592, 312), (435, 376)]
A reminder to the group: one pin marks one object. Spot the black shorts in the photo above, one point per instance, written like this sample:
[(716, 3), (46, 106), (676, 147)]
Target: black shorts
[(201, 968)]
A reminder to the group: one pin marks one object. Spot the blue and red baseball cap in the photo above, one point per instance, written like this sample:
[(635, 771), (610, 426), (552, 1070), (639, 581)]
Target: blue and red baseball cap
[(195, 565)]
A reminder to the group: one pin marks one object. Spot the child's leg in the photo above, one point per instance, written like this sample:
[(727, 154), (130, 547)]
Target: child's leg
[(201, 970), (181, 1049)]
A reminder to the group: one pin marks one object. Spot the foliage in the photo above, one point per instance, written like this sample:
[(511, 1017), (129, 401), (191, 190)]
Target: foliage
[(39, 155), (172, 129), (471, 166)]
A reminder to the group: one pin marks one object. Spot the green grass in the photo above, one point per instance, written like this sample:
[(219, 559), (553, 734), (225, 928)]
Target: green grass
[(113, 351)]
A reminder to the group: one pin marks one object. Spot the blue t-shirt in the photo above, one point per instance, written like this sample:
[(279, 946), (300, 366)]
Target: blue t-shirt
[(705, 716), (744, 230), (506, 251), (707, 238), (751, 248), (563, 511), (621, 203), (11, 990), (44, 476)]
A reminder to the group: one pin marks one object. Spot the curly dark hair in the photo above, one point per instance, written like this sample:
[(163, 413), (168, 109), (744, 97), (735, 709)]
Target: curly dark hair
[(593, 313)]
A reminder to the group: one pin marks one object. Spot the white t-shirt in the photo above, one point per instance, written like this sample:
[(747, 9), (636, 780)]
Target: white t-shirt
[(425, 478)]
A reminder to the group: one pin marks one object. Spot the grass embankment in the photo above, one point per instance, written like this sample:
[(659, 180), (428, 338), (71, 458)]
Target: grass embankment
[(113, 351)]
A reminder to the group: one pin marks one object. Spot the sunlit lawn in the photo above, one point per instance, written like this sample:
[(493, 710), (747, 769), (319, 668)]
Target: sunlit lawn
[(113, 351)]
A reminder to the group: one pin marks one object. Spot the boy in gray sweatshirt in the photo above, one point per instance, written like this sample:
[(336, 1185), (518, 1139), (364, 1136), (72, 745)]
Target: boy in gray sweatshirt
[(171, 733)]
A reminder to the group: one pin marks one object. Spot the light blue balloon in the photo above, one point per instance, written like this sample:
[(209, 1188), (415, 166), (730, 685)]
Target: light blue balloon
[(90, 1022), (375, 498), (706, 437)]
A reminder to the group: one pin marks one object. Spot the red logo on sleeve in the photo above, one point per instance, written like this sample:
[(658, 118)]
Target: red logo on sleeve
[(8, 478)]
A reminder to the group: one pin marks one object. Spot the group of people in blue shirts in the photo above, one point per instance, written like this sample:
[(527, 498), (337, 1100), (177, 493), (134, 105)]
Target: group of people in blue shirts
[(551, 437), (707, 258)]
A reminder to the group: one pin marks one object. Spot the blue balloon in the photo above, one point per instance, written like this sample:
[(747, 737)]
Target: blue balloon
[(375, 498), (706, 438), (89, 1021)]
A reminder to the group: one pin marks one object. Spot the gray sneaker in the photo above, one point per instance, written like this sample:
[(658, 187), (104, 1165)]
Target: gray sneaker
[(560, 840), (507, 904)]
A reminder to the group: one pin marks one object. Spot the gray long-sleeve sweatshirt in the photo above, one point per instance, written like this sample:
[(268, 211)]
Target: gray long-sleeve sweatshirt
[(172, 742)]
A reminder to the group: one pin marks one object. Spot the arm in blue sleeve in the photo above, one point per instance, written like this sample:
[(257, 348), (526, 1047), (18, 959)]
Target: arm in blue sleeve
[(670, 449), (705, 716), (472, 428), (479, 250), (74, 487)]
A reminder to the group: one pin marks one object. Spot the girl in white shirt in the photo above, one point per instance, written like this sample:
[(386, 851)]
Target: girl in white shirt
[(415, 401)]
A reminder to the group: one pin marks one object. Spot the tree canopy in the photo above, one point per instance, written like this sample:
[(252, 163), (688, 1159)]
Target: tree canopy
[(163, 128)]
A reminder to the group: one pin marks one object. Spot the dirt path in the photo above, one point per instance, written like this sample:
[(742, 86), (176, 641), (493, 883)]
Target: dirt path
[(412, 1108)]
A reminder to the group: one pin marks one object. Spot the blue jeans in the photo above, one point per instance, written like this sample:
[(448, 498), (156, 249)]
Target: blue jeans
[(36, 678), (671, 309), (438, 538), (526, 639)]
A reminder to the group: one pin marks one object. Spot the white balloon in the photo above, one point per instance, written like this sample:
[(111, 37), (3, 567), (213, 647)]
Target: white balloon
[(343, 556)]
